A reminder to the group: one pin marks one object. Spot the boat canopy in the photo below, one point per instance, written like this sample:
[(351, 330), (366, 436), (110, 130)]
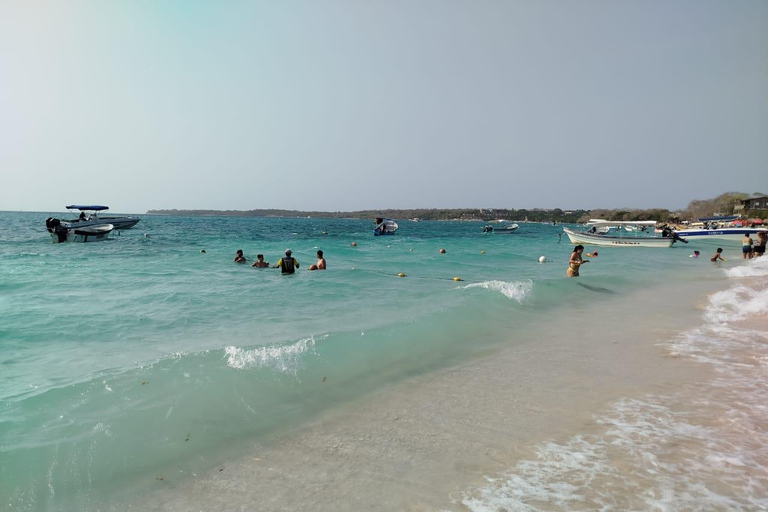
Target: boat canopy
[(721, 218), (92, 207), (619, 223)]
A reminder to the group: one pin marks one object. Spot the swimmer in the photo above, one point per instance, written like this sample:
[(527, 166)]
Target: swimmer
[(695, 254), (575, 262), (320, 265), (718, 255), (239, 258), (260, 263)]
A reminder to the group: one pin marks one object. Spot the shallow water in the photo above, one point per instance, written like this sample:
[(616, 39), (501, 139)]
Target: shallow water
[(140, 356)]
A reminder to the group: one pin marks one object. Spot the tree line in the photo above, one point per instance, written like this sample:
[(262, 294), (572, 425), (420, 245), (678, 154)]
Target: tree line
[(722, 204)]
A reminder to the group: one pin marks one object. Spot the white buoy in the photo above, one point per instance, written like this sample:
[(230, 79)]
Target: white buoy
[(543, 259)]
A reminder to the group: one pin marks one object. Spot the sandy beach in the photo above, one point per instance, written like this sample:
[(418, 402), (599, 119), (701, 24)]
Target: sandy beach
[(432, 441)]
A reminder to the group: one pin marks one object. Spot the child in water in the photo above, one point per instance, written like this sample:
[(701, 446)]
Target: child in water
[(718, 255), (694, 255)]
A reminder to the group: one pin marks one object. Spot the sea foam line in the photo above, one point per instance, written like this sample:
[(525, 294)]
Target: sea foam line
[(696, 449), (517, 290), (283, 358)]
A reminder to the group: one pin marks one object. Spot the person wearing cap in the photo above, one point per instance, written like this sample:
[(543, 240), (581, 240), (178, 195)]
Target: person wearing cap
[(288, 264)]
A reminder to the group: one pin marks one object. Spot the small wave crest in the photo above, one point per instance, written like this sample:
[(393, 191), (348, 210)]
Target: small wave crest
[(702, 447), (517, 291), (737, 303), (753, 268), (283, 358)]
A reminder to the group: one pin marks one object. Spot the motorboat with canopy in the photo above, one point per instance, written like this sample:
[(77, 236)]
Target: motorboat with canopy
[(89, 216), (599, 234)]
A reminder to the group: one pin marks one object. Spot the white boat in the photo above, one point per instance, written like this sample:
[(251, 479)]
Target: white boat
[(718, 230), (61, 233), (385, 227), (89, 216), (507, 228), (586, 238)]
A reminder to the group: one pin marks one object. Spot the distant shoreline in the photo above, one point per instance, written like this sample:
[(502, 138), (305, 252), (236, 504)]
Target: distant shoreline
[(457, 214)]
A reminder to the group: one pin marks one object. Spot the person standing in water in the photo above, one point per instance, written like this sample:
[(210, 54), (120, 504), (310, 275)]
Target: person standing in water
[(320, 265), (239, 257), (576, 261), (746, 246), (260, 263), (288, 264)]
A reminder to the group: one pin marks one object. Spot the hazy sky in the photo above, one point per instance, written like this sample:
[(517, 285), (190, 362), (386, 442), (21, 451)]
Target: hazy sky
[(366, 104)]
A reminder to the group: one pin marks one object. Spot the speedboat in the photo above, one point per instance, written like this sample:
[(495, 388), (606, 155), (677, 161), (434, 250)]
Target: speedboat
[(598, 234), (384, 227), (89, 217), (61, 233), (718, 230)]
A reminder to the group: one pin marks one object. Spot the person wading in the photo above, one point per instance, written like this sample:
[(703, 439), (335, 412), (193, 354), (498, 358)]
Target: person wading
[(288, 264)]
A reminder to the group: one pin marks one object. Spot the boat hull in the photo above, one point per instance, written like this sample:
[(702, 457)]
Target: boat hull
[(96, 233), (117, 222), (612, 241), (719, 235)]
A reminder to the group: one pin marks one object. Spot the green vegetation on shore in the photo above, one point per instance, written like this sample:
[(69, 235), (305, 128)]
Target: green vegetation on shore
[(722, 204)]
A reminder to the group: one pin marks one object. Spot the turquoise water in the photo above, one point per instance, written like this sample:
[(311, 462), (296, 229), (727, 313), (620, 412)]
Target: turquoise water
[(142, 356)]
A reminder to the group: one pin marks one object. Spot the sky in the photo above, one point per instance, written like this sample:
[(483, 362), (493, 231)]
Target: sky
[(335, 105)]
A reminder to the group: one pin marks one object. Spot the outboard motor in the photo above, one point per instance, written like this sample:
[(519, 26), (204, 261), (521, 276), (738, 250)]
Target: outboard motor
[(52, 223), (54, 226)]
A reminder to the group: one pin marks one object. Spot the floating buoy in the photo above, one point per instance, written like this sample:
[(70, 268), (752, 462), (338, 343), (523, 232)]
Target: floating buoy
[(389, 247), (400, 275), (543, 259), (354, 244), (457, 278), (442, 251)]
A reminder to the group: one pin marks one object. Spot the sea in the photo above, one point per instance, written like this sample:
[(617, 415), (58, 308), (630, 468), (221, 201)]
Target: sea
[(151, 372)]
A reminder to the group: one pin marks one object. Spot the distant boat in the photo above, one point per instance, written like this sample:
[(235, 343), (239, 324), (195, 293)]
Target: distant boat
[(510, 228), (384, 227)]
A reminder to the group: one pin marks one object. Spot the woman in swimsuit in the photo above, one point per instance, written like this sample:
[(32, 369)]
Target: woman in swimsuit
[(746, 247), (576, 261)]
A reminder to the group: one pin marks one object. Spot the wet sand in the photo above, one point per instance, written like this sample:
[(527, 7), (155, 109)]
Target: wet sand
[(421, 444)]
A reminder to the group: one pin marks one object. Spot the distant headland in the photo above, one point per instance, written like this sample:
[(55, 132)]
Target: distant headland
[(726, 204)]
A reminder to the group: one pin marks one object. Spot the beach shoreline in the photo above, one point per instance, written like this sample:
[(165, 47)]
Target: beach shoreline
[(423, 443)]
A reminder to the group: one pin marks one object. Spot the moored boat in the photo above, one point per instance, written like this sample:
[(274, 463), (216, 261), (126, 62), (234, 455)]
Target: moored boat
[(718, 230), (89, 216), (586, 238), (61, 233), (385, 227)]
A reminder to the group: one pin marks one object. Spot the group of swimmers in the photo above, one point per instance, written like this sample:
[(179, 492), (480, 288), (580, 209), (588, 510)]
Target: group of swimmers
[(577, 261), (287, 264), (750, 249)]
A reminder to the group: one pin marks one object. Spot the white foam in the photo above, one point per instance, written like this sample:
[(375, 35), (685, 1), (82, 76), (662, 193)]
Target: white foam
[(757, 267), (283, 358), (517, 291), (704, 447)]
